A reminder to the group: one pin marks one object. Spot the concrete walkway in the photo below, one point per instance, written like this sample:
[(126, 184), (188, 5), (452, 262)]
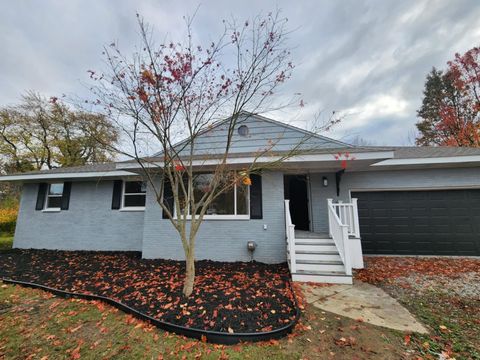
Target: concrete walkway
[(365, 301)]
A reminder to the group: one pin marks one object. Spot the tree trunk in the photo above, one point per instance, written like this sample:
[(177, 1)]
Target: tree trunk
[(189, 273)]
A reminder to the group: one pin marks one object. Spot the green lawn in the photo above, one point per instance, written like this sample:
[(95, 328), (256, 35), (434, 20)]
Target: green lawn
[(37, 325), (6, 242)]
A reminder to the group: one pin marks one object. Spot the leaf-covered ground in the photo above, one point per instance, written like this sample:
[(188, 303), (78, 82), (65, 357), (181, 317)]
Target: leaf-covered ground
[(228, 297), (35, 324), (443, 293)]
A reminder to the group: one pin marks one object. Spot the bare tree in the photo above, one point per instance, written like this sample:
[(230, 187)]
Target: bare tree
[(173, 90)]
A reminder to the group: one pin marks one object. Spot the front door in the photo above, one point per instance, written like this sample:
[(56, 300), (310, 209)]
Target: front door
[(296, 190)]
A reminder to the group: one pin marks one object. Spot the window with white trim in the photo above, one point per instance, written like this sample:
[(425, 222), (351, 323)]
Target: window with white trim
[(233, 203), (134, 195), (54, 196)]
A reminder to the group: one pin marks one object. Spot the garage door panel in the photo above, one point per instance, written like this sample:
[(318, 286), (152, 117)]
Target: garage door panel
[(400, 212), (445, 222), (380, 212), (458, 211), (419, 211), (439, 211)]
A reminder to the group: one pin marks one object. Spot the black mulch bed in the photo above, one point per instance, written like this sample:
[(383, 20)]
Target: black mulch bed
[(229, 297)]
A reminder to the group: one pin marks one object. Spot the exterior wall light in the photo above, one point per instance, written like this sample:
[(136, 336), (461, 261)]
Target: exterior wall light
[(324, 181)]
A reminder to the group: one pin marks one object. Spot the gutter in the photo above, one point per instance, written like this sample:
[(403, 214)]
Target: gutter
[(66, 175)]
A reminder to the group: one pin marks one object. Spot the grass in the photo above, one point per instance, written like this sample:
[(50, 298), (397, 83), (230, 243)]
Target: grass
[(6, 242), (442, 293), (454, 324), (35, 324)]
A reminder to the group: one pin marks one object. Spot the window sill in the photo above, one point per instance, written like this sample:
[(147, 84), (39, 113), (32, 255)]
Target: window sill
[(132, 209), (52, 210), (221, 217)]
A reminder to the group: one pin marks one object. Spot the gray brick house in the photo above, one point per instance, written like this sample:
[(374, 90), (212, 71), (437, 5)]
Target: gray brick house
[(309, 212)]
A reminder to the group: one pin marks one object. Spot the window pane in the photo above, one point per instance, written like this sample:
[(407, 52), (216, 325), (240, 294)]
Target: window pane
[(56, 189), (222, 205), (135, 187), (242, 200), (134, 200), (201, 185), (54, 202)]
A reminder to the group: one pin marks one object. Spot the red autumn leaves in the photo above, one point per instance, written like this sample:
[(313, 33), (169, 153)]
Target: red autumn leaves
[(451, 104), (380, 269), (344, 157)]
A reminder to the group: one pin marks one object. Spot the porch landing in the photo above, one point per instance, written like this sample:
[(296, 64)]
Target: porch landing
[(303, 234)]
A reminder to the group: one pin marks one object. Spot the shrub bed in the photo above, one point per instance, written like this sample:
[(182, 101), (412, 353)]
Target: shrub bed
[(228, 297)]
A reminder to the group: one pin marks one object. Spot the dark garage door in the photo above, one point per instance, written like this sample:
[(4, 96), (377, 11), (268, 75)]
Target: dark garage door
[(444, 222)]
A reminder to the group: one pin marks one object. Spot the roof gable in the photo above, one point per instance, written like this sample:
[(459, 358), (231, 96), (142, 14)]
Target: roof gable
[(262, 134)]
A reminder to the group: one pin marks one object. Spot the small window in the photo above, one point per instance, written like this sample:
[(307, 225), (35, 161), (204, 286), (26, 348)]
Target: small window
[(54, 196), (243, 130), (134, 194)]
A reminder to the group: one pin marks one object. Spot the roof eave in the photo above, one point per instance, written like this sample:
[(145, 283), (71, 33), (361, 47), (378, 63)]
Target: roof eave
[(66, 176), (372, 155)]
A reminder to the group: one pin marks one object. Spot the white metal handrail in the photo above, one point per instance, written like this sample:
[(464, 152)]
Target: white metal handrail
[(290, 236), (348, 215), (339, 233)]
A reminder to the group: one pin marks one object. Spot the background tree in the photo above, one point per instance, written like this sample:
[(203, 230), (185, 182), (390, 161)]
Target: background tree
[(450, 109), (40, 133), (173, 90)]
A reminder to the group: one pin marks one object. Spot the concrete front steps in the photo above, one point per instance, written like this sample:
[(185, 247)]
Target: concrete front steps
[(317, 260)]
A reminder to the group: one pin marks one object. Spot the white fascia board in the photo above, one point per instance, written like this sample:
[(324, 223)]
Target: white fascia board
[(377, 155), (79, 175), (427, 161)]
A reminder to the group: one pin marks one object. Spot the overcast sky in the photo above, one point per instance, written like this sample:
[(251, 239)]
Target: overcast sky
[(367, 59)]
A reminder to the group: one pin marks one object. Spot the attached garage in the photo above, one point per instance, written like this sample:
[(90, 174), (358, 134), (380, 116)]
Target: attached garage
[(434, 222)]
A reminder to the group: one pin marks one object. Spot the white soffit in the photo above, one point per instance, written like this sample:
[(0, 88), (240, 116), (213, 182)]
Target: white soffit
[(427, 161)]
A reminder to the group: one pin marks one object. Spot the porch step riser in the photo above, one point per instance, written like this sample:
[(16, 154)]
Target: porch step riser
[(319, 257), (321, 267), (327, 279), (308, 248), (314, 241)]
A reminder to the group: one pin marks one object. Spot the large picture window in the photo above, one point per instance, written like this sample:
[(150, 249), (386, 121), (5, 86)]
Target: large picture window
[(54, 196), (134, 195), (232, 203)]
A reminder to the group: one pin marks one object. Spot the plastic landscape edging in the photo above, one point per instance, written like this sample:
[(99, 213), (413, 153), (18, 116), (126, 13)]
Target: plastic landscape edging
[(216, 337)]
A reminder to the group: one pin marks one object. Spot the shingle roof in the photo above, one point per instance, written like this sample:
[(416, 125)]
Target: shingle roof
[(415, 152)]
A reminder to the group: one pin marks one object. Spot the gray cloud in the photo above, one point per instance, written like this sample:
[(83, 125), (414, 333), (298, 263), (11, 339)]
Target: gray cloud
[(367, 59)]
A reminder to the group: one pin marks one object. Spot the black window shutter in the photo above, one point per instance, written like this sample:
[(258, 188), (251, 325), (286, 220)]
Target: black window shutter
[(117, 194), (67, 187), (168, 200), (42, 192), (256, 197)]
